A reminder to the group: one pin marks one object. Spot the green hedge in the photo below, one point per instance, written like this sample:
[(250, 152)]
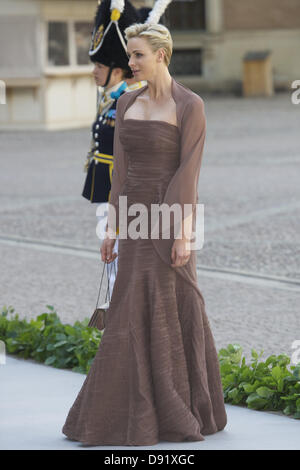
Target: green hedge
[(47, 340), (268, 385)]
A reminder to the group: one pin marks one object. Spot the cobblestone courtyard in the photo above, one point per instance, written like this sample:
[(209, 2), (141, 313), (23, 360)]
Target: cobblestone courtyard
[(249, 267)]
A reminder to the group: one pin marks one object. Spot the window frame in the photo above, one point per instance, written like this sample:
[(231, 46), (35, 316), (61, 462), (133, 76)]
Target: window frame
[(73, 67), (187, 49), (188, 29)]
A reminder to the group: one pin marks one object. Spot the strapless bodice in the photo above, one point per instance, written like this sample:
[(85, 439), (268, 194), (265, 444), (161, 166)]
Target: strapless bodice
[(153, 151)]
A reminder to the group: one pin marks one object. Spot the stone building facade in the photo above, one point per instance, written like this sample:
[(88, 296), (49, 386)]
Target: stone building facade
[(45, 68)]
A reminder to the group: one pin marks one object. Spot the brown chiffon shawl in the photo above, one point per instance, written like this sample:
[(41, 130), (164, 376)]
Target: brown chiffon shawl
[(183, 186)]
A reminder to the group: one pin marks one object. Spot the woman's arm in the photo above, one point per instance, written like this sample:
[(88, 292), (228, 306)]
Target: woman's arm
[(119, 174), (183, 187)]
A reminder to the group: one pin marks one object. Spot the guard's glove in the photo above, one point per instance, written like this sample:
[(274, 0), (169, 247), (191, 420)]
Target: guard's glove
[(88, 161)]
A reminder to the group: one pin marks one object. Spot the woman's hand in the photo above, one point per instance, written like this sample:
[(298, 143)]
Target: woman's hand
[(180, 253), (106, 250)]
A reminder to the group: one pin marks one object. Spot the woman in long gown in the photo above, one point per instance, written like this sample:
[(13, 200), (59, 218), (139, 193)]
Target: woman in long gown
[(156, 374)]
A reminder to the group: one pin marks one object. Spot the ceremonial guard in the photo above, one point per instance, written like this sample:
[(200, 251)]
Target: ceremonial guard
[(109, 54)]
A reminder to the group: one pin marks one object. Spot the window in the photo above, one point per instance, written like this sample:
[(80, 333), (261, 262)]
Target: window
[(58, 46), (186, 62), (19, 46), (83, 36), (185, 15), (69, 43)]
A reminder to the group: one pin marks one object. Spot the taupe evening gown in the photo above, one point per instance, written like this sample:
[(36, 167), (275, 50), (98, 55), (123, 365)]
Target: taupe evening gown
[(156, 374)]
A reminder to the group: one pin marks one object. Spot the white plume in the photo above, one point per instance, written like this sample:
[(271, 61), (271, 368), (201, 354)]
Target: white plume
[(157, 11), (118, 4)]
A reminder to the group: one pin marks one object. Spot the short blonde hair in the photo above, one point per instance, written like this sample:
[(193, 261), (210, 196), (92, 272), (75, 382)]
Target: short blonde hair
[(157, 35)]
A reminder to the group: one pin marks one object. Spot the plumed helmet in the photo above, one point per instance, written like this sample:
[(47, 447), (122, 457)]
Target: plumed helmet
[(108, 45)]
